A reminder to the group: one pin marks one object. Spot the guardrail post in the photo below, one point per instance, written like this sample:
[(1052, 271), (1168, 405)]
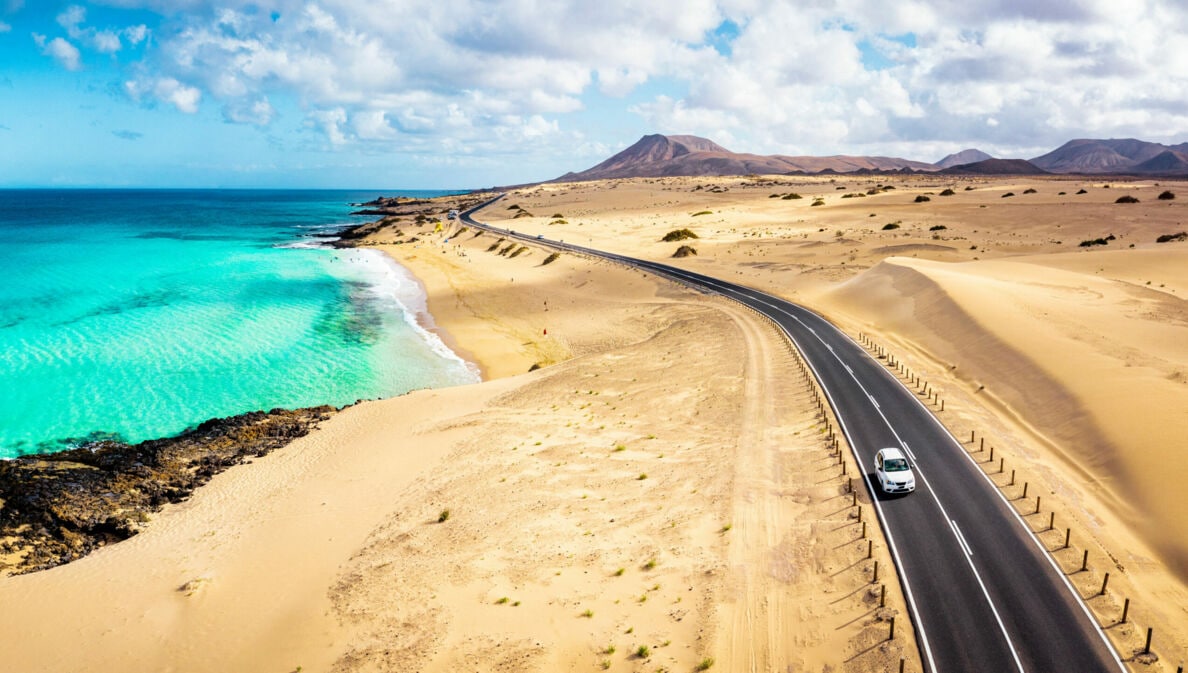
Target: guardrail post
[(891, 635), (1104, 583), (864, 538), (1085, 561), (882, 595), (1052, 520), (1067, 535), (1012, 477), (1125, 610), (1025, 484), (1037, 504), (1147, 647), (876, 572), (991, 454)]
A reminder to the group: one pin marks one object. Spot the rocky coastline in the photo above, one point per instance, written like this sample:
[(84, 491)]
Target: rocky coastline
[(55, 508)]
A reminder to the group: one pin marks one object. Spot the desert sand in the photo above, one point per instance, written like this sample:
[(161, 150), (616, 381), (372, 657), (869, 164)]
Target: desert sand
[(644, 486)]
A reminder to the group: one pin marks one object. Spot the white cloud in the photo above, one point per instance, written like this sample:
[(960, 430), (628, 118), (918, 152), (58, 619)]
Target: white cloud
[(413, 76), (66, 54), (106, 41), (184, 98), (166, 90), (135, 34), (258, 112), (4, 27), (71, 18)]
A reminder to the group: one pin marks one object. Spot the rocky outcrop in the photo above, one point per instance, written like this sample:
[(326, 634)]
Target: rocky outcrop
[(55, 508)]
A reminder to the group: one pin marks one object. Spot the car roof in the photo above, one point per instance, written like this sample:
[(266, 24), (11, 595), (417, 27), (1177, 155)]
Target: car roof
[(892, 452)]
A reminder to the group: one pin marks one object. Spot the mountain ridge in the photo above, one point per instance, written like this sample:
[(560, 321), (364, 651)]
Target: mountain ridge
[(656, 155)]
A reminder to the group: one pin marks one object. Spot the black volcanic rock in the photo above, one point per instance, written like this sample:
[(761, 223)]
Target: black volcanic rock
[(962, 158), (58, 507), (996, 167)]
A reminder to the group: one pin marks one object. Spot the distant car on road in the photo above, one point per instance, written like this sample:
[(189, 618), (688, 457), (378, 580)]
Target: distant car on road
[(894, 472), (453, 215), (539, 237)]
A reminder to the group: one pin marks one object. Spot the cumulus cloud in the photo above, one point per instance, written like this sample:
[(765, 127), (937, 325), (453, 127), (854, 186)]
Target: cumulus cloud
[(850, 75), (62, 51), (166, 90), (4, 27), (257, 112), (107, 41)]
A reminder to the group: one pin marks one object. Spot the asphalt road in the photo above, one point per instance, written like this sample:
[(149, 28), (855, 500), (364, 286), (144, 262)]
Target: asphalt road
[(983, 594)]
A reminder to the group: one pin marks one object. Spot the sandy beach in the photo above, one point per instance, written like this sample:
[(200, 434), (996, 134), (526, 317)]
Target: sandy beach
[(626, 490)]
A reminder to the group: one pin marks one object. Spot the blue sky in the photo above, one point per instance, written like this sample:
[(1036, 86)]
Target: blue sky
[(470, 93)]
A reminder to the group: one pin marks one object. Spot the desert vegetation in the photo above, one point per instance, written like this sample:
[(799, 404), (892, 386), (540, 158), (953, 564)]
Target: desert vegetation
[(1126, 199), (678, 235), (1097, 241)]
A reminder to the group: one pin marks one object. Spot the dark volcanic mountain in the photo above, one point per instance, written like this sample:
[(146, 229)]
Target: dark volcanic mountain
[(996, 167), (961, 158), (1104, 156), (663, 156), (1166, 163)]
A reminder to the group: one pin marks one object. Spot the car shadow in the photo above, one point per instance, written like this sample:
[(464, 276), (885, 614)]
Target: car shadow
[(879, 493)]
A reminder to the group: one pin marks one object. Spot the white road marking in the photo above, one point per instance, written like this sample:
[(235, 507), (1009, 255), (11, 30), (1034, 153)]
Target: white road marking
[(960, 537)]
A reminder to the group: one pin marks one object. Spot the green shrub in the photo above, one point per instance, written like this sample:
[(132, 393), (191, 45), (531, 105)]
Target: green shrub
[(678, 235), (921, 198), (792, 196), (819, 202), (444, 516), (1097, 241), (551, 258), (705, 664), (703, 212), (558, 216), (643, 652)]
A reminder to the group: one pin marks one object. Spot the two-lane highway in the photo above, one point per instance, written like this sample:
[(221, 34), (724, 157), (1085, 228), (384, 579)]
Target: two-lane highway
[(983, 593)]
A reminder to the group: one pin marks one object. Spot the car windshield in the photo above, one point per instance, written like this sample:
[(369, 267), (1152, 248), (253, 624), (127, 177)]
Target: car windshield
[(895, 465)]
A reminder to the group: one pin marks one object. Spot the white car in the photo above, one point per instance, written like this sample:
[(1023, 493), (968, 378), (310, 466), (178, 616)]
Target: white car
[(894, 471)]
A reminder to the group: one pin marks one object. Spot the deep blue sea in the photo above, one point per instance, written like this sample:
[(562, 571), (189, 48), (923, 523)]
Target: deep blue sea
[(137, 314)]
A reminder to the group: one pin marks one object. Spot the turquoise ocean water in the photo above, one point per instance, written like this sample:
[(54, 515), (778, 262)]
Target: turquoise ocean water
[(138, 314)]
